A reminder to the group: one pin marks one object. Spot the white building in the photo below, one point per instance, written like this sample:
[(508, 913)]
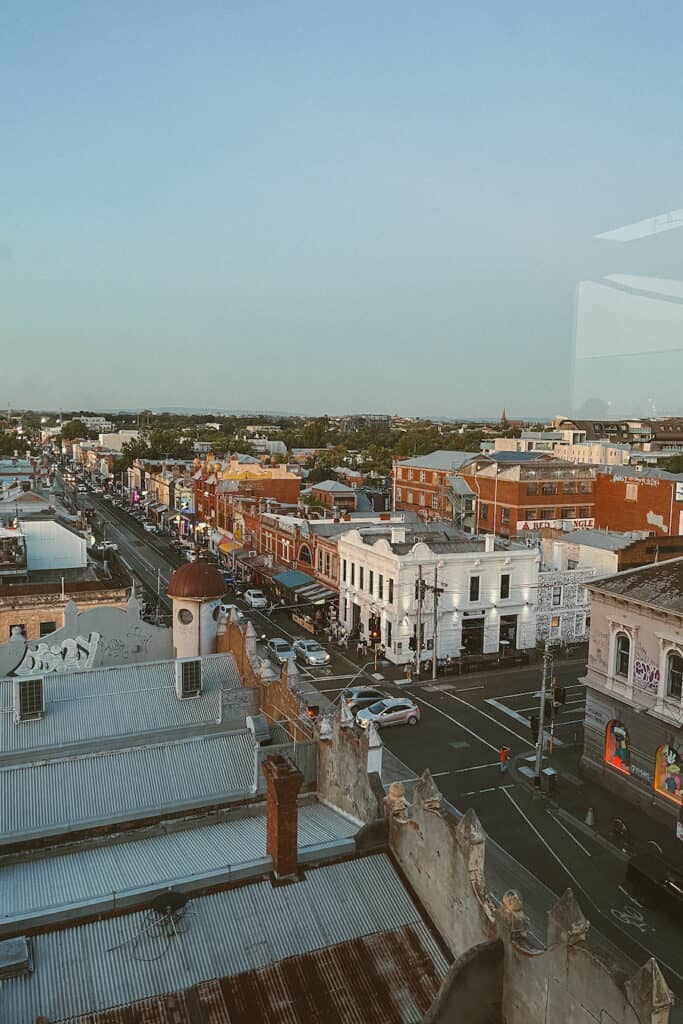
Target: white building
[(116, 439), (487, 589)]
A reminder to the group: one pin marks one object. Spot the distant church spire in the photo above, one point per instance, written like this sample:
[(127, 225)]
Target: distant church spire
[(503, 419)]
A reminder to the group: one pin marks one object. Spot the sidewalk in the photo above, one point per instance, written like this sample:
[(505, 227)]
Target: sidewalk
[(574, 795)]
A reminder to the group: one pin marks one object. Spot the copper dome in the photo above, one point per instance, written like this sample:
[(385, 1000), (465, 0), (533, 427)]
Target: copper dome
[(196, 581)]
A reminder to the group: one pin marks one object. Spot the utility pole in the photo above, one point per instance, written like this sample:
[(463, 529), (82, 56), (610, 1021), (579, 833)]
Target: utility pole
[(418, 624), (547, 668), (437, 591)]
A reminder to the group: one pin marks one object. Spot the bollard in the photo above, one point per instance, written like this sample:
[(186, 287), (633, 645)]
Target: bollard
[(590, 817)]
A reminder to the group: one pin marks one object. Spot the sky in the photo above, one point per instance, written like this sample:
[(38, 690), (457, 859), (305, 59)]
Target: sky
[(326, 207)]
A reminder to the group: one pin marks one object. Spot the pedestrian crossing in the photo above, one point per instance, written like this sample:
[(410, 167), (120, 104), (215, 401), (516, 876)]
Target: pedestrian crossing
[(521, 706)]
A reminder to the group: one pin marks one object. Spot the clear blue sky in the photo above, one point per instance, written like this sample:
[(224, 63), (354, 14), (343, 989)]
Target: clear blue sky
[(323, 207)]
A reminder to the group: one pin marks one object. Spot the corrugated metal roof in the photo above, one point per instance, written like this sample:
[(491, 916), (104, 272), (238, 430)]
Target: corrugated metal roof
[(33, 887), (120, 701), (384, 978), (123, 960), (123, 784), (440, 460)]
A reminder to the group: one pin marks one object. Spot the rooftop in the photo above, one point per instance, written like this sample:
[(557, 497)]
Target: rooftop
[(438, 538), (110, 703), (659, 585), (352, 920), (332, 485), (606, 540), (439, 459)]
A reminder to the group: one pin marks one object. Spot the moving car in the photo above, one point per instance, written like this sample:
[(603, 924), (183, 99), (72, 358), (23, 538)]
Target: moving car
[(309, 652), (279, 650), (390, 711), (359, 697), (255, 599)]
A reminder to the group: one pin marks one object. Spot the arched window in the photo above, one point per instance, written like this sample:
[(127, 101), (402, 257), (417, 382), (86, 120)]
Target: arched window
[(674, 675), (617, 747), (669, 772), (305, 555), (622, 655)]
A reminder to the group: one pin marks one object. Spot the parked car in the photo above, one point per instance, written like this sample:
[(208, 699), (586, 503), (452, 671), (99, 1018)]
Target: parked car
[(81, 488), (255, 599), (359, 697), (150, 528), (279, 650), (229, 579), (228, 608), (309, 652), (391, 711)]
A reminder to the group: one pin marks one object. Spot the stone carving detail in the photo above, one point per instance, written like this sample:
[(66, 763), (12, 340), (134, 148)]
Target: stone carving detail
[(72, 655)]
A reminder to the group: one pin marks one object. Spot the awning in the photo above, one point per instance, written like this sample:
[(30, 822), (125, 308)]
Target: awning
[(292, 579), (315, 593), (226, 546)]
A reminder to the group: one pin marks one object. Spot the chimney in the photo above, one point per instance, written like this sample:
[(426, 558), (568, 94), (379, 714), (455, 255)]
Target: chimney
[(398, 535), (489, 542), (283, 782)]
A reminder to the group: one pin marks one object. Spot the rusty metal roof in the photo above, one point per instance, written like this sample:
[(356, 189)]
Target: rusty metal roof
[(388, 978), (659, 585)]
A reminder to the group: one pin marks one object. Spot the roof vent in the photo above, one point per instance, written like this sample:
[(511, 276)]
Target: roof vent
[(16, 958), (258, 727), (188, 677), (29, 700)]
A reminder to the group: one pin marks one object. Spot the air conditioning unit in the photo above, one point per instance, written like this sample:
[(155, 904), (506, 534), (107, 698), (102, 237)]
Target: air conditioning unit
[(188, 677), (29, 699)]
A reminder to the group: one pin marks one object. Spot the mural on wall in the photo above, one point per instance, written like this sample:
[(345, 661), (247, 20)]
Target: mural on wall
[(96, 638), (645, 672), (669, 772)]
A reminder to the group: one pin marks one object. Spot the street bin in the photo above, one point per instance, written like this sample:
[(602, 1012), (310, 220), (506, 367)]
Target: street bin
[(549, 779)]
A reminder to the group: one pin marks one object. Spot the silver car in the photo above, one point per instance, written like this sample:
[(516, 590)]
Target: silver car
[(279, 650), (310, 652), (394, 711)]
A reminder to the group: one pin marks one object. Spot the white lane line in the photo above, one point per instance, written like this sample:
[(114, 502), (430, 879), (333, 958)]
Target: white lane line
[(546, 844), (474, 768), (534, 707), (537, 692), (508, 711), (478, 711), (571, 835), (420, 700)]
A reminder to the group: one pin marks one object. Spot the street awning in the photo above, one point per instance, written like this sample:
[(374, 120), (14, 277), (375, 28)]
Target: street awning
[(226, 546), (292, 579), (315, 593)]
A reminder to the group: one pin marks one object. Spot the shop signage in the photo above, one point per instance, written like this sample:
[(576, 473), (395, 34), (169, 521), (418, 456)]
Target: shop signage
[(596, 717), (524, 525), (641, 773)]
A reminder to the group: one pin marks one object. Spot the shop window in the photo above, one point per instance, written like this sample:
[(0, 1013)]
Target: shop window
[(622, 655), (305, 555), (669, 772), (344, 570), (390, 584), (435, 500), (18, 629), (47, 627), (617, 747), (674, 675), (474, 588), (353, 574)]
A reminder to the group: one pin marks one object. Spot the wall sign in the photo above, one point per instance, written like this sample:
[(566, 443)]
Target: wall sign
[(524, 525)]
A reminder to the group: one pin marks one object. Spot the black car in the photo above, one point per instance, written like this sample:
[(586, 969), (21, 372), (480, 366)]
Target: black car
[(656, 884), (358, 697)]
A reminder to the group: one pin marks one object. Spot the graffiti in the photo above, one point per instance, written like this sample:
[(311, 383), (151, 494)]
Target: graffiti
[(641, 773), (70, 655), (632, 917), (646, 675)]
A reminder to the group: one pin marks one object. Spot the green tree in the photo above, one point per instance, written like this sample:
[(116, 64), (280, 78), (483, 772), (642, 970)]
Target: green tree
[(672, 465), (76, 428)]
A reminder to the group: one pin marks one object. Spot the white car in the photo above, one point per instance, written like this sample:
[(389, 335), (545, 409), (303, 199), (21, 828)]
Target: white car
[(228, 610), (255, 598), (392, 711), (310, 652), (279, 650), (150, 528)]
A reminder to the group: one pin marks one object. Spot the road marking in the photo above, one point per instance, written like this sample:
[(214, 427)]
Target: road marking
[(508, 711), (495, 721), (546, 844), (440, 711), (474, 768), (629, 897), (571, 835)]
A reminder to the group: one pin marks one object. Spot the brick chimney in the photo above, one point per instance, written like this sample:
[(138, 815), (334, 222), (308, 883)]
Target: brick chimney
[(283, 782)]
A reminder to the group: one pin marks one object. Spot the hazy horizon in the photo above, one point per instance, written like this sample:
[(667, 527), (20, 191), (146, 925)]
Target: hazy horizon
[(339, 209)]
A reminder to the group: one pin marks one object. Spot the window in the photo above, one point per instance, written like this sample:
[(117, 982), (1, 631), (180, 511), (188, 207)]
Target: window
[(320, 561), (569, 487), (435, 500), (584, 512), (669, 772), (555, 626), (327, 563), (410, 497), (474, 588), (557, 597), (361, 573), (631, 492), (404, 474), (345, 612), (548, 488), (483, 511), (580, 624), (422, 498), (505, 586), (18, 629), (185, 616), (371, 581), (586, 487), (47, 627), (617, 747), (547, 513), (572, 563), (412, 474), (388, 642), (344, 570), (622, 655), (674, 675), (568, 513), (531, 489), (399, 494), (353, 574), (390, 584), (505, 515), (380, 587), (422, 476)]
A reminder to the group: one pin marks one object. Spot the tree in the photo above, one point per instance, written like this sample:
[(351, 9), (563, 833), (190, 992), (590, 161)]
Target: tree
[(672, 465), (76, 428)]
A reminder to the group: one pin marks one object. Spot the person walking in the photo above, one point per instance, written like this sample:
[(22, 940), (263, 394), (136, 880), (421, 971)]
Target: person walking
[(503, 759)]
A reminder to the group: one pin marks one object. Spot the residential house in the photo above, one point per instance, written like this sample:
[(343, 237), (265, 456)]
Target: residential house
[(335, 495)]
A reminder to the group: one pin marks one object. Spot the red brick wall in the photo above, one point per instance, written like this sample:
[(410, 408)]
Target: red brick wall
[(636, 503), (501, 507)]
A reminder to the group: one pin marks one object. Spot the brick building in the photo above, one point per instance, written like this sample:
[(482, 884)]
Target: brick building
[(519, 493), (333, 494), (429, 486), (35, 610), (639, 498), (217, 481)]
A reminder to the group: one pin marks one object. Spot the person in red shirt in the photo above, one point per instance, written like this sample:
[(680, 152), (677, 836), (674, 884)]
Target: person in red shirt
[(503, 759)]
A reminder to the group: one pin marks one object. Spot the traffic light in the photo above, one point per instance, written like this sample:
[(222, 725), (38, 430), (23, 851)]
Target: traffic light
[(534, 723), (560, 695), (420, 589), (412, 643), (374, 631)]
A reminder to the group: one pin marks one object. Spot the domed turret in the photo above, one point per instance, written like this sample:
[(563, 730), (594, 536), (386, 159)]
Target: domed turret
[(196, 589)]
